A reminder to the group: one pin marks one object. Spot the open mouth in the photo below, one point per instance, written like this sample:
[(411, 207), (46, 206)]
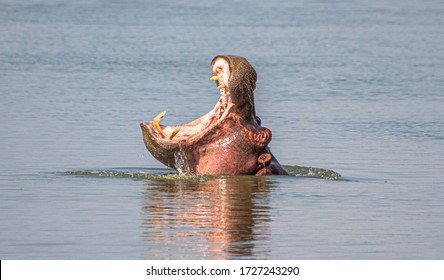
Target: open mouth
[(199, 127), (228, 140)]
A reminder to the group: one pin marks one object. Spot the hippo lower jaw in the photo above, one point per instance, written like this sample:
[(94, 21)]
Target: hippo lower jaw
[(167, 143), (228, 140)]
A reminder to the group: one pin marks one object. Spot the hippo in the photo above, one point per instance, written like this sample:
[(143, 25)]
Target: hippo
[(228, 140)]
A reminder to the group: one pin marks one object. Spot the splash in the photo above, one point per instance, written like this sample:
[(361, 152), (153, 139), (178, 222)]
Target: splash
[(312, 172), (153, 175), (180, 161), (163, 174)]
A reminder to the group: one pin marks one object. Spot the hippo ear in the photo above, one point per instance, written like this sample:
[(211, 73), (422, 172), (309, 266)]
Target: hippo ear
[(260, 137)]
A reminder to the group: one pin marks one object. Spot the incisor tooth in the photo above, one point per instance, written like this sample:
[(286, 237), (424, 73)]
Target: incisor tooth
[(156, 123), (214, 78), (174, 133), (221, 85)]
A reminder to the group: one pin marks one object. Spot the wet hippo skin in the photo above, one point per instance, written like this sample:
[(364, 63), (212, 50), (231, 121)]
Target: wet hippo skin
[(229, 140)]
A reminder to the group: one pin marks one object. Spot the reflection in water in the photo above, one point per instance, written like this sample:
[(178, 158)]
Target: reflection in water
[(217, 219)]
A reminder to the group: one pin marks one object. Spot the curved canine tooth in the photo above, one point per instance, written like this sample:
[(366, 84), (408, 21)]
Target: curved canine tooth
[(214, 78), (156, 123), (174, 133)]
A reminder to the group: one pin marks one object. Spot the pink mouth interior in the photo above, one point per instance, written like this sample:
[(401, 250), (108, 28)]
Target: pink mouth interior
[(200, 125)]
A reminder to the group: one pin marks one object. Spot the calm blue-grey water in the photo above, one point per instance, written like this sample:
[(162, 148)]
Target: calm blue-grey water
[(352, 86)]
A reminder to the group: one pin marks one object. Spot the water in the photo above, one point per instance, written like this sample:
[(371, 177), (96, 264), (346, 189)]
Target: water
[(351, 86)]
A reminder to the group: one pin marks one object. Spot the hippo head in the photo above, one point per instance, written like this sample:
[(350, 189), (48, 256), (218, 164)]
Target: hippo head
[(226, 141)]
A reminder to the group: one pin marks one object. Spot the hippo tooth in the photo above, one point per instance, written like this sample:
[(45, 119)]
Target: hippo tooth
[(214, 78), (174, 133), (228, 93), (264, 158), (221, 85), (219, 70), (156, 123)]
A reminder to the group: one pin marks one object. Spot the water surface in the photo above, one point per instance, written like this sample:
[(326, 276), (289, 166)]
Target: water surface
[(350, 86)]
